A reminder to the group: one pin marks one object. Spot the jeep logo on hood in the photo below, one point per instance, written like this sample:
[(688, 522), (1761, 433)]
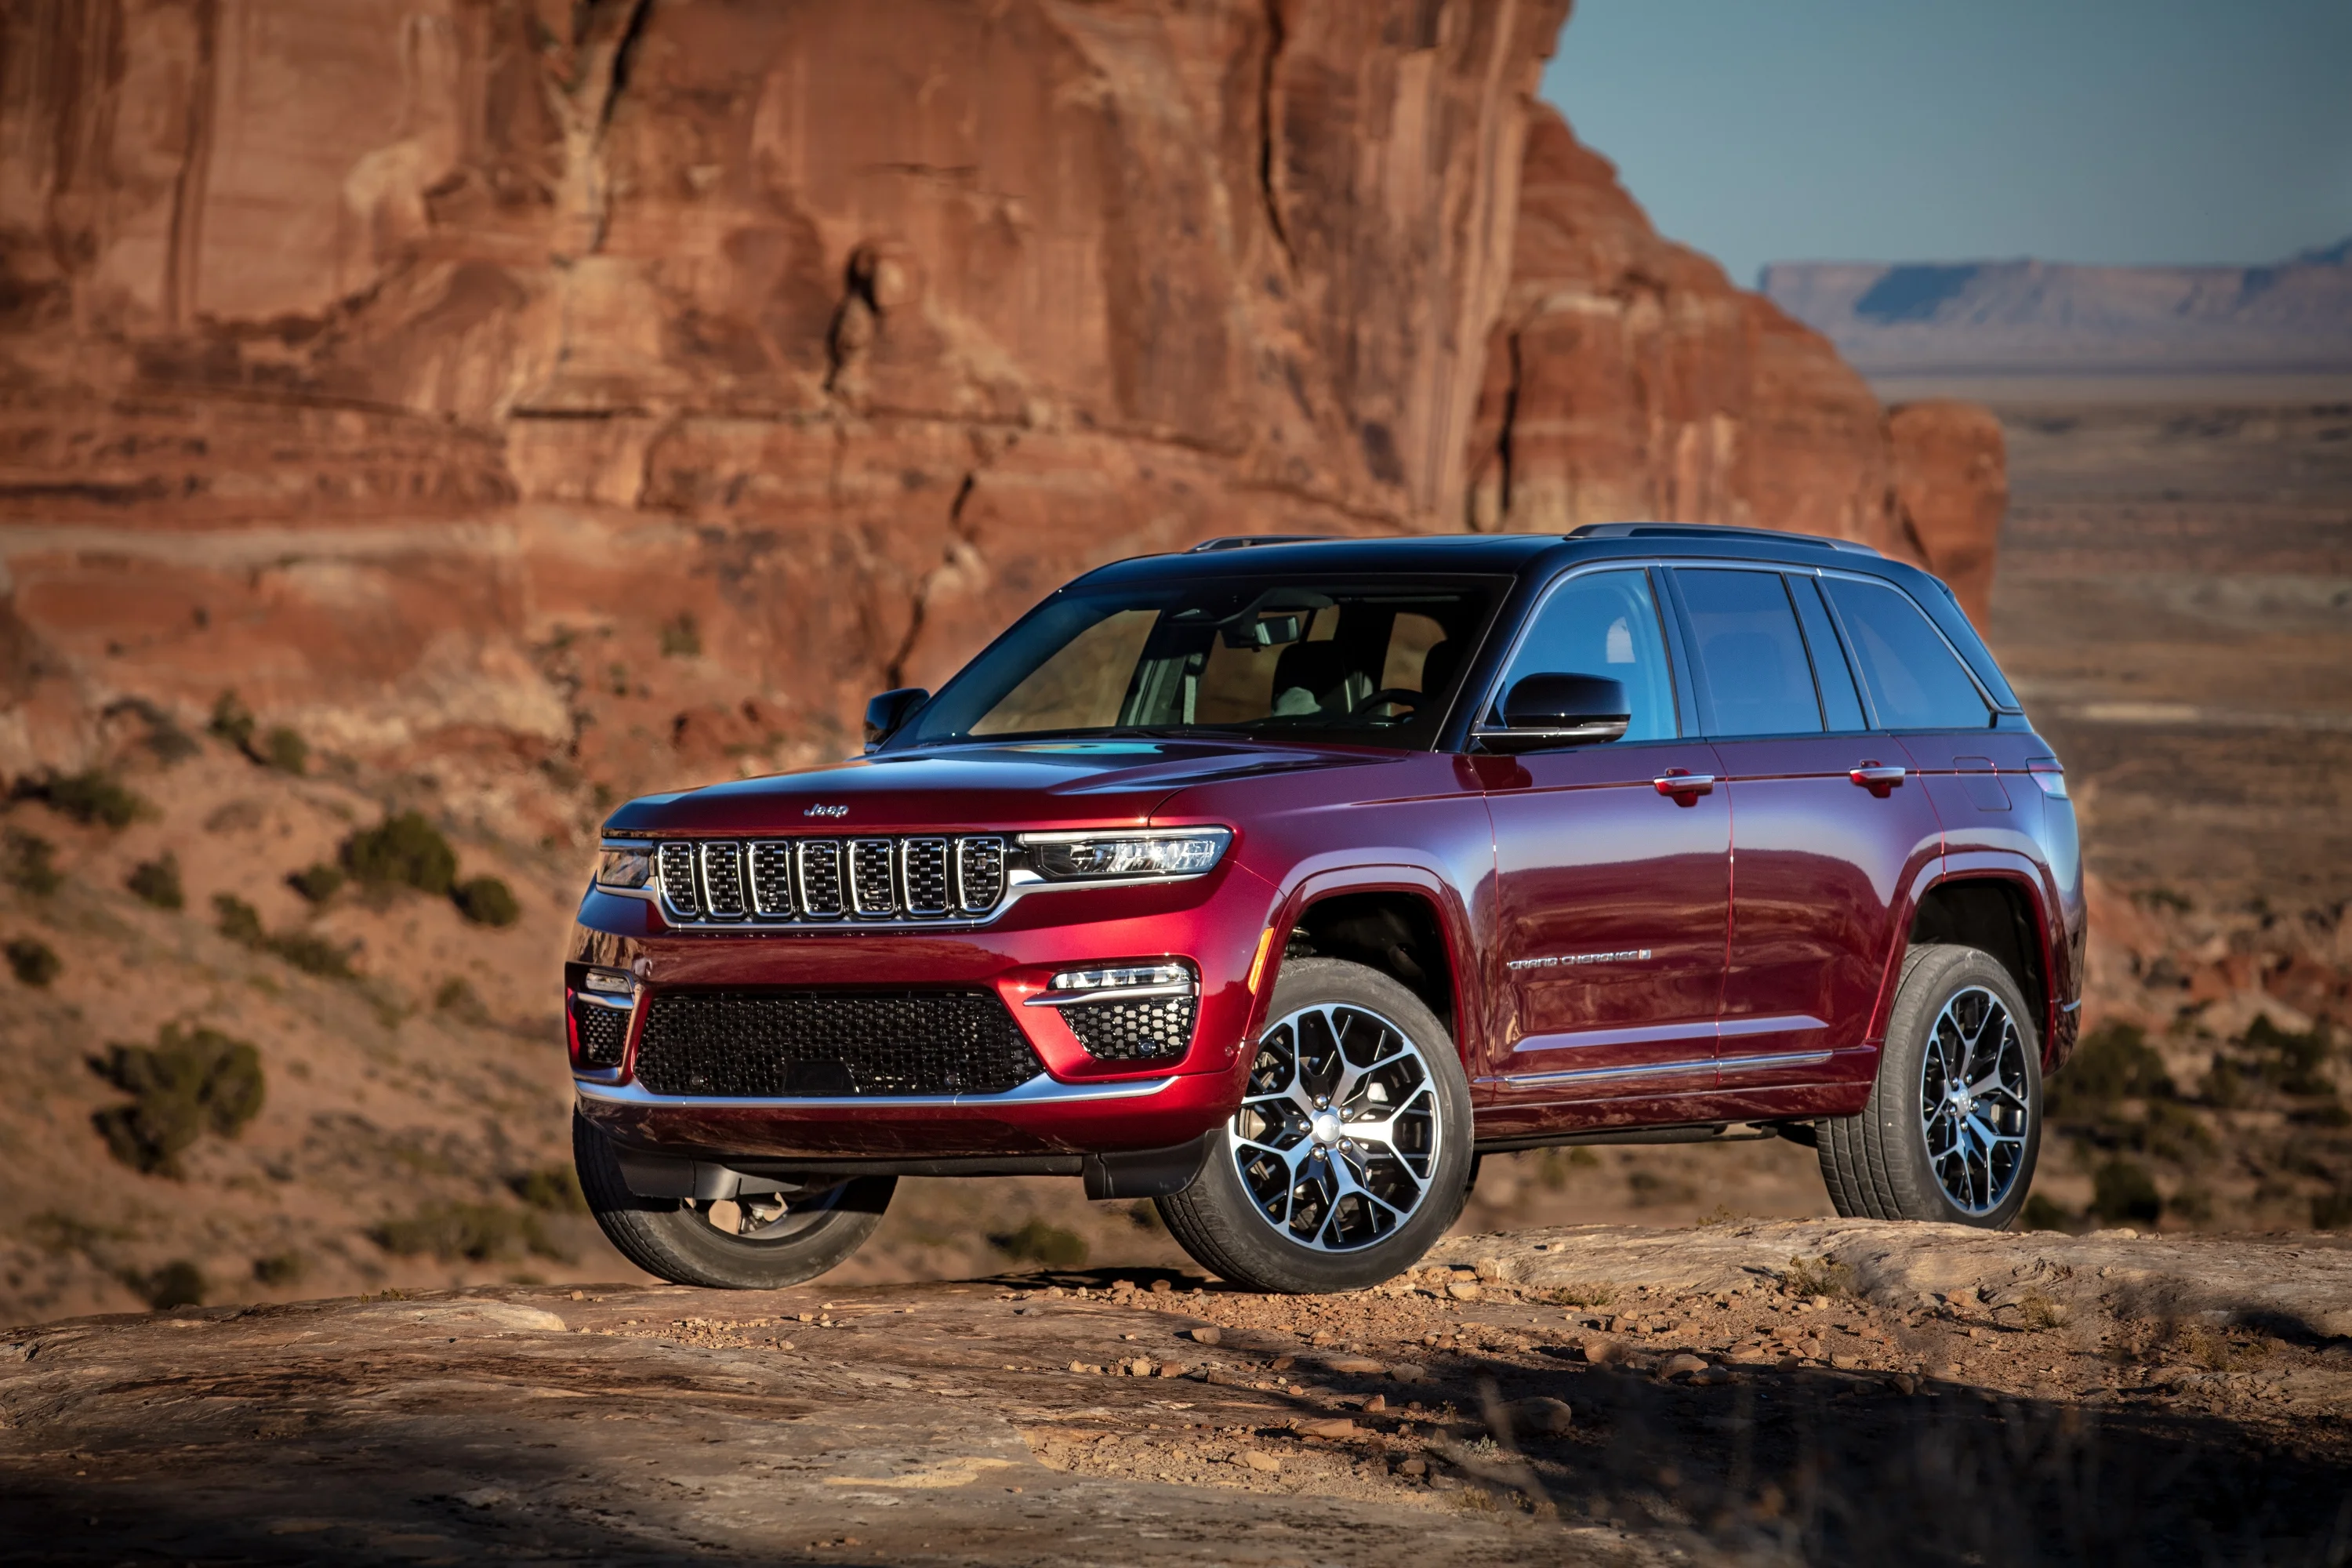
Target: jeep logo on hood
[(821, 809)]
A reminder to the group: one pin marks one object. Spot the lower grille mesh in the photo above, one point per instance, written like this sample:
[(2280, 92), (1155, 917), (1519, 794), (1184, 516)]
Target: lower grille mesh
[(805, 1044), (1132, 1031), (602, 1031)]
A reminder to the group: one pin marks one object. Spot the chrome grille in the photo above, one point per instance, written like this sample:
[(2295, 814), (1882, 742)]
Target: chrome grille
[(772, 880), (870, 889), (722, 878), (677, 866), (820, 879), (925, 864), (861, 881), (979, 873)]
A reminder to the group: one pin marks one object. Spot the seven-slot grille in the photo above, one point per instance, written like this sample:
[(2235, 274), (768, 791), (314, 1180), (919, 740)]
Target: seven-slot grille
[(894, 881)]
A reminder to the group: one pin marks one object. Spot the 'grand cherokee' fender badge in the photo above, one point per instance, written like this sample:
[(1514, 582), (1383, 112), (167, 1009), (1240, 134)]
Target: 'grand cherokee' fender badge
[(821, 810)]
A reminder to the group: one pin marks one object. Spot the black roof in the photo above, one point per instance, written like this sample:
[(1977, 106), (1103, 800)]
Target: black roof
[(1277, 554)]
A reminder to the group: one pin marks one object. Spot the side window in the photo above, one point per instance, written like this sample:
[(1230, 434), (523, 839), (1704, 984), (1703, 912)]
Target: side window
[(1914, 681), (1840, 703), (1605, 623), (1758, 681)]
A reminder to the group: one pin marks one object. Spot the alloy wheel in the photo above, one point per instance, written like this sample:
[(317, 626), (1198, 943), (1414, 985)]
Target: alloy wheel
[(1975, 1108), (1338, 1131)]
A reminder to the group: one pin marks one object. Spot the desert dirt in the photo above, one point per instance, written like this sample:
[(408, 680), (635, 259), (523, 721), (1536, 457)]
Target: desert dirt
[(1752, 1392)]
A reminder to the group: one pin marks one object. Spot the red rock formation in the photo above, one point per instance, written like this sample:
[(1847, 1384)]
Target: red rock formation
[(637, 384), (1627, 378)]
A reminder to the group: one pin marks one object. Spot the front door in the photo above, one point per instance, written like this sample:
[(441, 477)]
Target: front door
[(1611, 886), (1830, 830)]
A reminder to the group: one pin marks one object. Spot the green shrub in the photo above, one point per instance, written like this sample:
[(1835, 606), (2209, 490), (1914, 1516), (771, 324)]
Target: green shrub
[(2332, 1211), (2123, 1192), (178, 1283), (313, 953), (2114, 1062), (404, 850), (681, 638), (238, 920), (552, 1188), (285, 750), (280, 1268), (31, 863), (487, 902), (34, 961), (478, 1233), (317, 882), (232, 722), (2041, 1213), (89, 796), (1037, 1242), (158, 883), (190, 1082), (2296, 1064)]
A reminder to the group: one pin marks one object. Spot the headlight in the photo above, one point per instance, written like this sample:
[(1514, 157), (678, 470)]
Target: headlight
[(629, 867), (1098, 857)]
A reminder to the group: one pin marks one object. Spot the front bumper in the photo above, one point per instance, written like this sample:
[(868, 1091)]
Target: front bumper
[(1077, 1105)]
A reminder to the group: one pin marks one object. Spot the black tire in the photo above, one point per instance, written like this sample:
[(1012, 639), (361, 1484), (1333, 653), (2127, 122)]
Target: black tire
[(1343, 1245), (677, 1241), (1906, 1155)]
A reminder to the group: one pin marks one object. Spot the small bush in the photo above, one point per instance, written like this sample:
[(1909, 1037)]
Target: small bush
[(158, 883), (2114, 1062), (89, 796), (317, 882), (178, 1283), (190, 1082), (285, 750), (280, 1268), (1037, 1242), (681, 638), (2041, 1213), (2332, 1211), (232, 722), (2123, 1190), (478, 1233), (34, 961), (238, 920), (312, 955), (487, 902), (1818, 1277), (554, 1189), (31, 863), (2295, 1063), (404, 850)]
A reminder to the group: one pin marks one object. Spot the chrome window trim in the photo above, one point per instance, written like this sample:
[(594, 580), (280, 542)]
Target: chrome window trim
[(1042, 1090), (1493, 696), (1862, 685)]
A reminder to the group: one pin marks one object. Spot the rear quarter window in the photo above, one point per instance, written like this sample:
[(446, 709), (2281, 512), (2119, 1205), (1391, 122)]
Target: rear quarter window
[(1915, 679)]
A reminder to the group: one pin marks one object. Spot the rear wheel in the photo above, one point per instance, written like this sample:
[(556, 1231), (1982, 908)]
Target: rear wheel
[(753, 1243), (1954, 1123), (1350, 1153)]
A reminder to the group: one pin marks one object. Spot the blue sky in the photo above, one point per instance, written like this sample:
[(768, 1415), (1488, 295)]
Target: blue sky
[(2094, 131)]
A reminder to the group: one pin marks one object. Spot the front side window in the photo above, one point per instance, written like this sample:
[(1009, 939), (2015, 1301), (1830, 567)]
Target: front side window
[(1603, 623), (1915, 679), (1758, 678), (1360, 661)]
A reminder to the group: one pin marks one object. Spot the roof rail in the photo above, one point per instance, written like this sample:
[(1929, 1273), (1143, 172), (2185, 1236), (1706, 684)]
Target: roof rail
[(1244, 541), (1714, 531)]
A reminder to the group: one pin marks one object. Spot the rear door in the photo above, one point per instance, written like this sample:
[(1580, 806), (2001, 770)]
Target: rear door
[(1829, 826), (1610, 892)]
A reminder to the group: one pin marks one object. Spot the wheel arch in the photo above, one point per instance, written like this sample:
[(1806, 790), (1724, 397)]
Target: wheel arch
[(1402, 922), (1996, 910)]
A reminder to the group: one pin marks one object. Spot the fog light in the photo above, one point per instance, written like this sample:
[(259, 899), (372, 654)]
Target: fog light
[(1120, 979), (616, 981)]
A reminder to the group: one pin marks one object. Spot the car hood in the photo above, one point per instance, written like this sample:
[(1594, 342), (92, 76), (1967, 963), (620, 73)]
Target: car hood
[(1030, 784)]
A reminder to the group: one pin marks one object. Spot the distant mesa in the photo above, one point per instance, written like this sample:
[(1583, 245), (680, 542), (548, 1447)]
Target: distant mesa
[(2042, 316)]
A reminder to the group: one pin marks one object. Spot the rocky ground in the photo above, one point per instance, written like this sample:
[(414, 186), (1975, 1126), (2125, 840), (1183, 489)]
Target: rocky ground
[(1790, 1390)]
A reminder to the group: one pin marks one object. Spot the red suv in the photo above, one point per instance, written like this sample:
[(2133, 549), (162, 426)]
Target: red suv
[(1279, 880)]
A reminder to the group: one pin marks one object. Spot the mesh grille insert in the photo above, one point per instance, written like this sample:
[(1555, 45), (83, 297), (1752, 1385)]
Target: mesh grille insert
[(603, 1032), (722, 877), (772, 879), (870, 877), (980, 868), (886, 880), (821, 878), (926, 862), (818, 1044), (675, 862), (1141, 1030)]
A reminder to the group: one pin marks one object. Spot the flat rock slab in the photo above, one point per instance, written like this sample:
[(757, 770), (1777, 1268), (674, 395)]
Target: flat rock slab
[(2302, 1284)]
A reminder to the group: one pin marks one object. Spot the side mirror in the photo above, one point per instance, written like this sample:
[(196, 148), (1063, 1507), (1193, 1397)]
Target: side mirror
[(885, 714), (1555, 710)]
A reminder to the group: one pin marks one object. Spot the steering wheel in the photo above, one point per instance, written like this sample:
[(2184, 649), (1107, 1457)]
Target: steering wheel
[(1394, 695)]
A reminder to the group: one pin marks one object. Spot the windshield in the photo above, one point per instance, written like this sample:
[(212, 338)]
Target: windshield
[(1360, 661)]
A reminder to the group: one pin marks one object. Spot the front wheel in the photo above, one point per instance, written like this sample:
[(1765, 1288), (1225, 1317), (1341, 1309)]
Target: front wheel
[(752, 1243), (1953, 1123), (1350, 1153)]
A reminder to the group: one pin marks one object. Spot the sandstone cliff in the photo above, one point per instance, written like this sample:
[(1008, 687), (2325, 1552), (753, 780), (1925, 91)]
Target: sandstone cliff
[(634, 384)]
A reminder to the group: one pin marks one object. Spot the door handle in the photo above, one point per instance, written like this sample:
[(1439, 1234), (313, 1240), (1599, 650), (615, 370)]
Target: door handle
[(1877, 779), (1683, 787)]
